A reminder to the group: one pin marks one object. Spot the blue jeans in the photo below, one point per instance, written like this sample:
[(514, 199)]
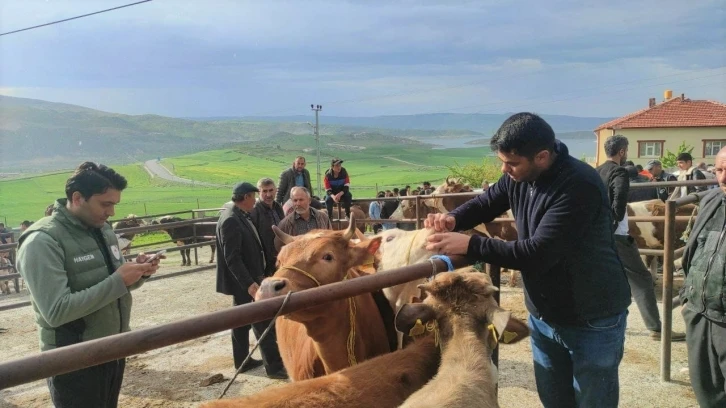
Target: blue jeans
[(577, 366)]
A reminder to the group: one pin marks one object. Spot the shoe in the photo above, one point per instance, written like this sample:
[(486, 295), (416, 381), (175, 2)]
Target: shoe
[(280, 374), (251, 364), (675, 336)]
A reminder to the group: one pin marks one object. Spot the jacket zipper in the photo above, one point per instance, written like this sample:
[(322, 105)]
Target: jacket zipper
[(710, 263)]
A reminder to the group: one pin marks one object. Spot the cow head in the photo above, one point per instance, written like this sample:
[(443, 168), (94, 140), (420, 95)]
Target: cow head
[(446, 204), (401, 248), (317, 258), (463, 300)]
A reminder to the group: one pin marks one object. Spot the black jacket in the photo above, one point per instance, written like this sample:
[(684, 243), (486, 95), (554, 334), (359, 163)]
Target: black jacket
[(388, 208), (617, 185), (263, 222), (240, 257), (287, 182), (566, 249)]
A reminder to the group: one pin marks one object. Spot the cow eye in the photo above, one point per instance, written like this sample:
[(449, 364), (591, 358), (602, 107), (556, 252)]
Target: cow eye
[(390, 238), (327, 257)]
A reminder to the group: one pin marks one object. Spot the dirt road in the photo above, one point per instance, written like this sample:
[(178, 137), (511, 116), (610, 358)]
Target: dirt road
[(158, 170)]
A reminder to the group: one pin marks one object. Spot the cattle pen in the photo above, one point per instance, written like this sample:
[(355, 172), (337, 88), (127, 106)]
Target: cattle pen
[(41, 365)]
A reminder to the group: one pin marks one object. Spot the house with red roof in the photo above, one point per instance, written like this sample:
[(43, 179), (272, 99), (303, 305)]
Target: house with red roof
[(664, 126)]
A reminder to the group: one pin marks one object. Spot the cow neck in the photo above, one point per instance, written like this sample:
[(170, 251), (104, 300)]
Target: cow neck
[(465, 348), (410, 247), (326, 345)]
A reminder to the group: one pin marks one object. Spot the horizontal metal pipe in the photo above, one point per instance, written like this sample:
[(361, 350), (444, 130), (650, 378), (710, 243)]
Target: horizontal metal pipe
[(145, 217), (8, 247), (10, 276), (75, 357), (688, 183), (172, 249), (167, 226), (656, 218), (14, 305), (691, 198)]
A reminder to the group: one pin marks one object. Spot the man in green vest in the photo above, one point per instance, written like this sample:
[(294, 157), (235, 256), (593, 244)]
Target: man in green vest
[(79, 284)]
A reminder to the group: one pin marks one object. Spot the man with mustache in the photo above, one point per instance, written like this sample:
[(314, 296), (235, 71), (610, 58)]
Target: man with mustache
[(304, 218)]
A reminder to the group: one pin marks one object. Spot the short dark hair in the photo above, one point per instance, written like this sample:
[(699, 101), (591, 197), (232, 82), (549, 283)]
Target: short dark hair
[(90, 179), (614, 144), (380, 194), (685, 156), (524, 134), (629, 163), (639, 167), (26, 223)]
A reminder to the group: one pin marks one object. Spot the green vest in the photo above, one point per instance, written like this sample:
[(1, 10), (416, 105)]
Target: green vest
[(85, 265)]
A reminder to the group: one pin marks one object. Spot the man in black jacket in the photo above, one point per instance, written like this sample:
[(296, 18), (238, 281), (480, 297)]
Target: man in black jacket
[(240, 269), (266, 213), (616, 179), (575, 288), (655, 167), (295, 176)]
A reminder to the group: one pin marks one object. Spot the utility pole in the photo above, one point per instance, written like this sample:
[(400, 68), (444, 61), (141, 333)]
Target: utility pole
[(317, 109)]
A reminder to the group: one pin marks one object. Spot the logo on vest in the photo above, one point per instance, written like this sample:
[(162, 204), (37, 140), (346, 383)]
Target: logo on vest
[(115, 251), (83, 258)]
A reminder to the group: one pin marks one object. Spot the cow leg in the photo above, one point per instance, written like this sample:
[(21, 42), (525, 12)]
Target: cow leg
[(189, 256), (512, 278), (214, 248)]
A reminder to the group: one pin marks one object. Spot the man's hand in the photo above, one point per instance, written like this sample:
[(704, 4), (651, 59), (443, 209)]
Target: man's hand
[(252, 290), (448, 243), (143, 258), (131, 272), (440, 222)]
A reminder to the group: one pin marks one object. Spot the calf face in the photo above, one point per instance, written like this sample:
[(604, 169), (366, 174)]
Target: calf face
[(314, 259)]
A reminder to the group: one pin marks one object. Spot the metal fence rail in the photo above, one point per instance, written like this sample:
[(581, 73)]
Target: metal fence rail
[(75, 357)]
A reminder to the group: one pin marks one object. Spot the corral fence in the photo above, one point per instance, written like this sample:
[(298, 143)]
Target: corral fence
[(86, 354)]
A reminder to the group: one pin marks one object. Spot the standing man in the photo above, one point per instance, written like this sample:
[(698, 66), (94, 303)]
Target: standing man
[(617, 183), (266, 213), (704, 295), (374, 212), (304, 218), (337, 187), (575, 287), (655, 167), (79, 283), (687, 172), (241, 267), (295, 176)]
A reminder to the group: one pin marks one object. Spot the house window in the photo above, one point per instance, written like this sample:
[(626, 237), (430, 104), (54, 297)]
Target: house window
[(650, 149), (712, 147)]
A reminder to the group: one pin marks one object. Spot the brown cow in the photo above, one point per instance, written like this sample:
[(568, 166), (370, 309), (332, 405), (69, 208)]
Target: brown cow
[(125, 239), (321, 340), (470, 325), (355, 211), (649, 234), (384, 381)]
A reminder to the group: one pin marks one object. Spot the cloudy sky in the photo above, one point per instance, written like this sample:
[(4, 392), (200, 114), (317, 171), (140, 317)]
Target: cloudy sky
[(363, 58)]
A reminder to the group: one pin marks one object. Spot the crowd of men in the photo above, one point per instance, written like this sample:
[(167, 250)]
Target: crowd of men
[(574, 252)]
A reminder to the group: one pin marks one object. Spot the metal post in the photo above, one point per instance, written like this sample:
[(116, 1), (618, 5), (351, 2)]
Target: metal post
[(495, 273), (667, 318), (418, 214), (194, 232), (317, 109)]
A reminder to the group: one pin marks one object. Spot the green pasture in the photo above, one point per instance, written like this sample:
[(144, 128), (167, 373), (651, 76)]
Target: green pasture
[(27, 198)]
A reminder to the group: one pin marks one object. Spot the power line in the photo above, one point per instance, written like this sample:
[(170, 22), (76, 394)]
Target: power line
[(73, 18)]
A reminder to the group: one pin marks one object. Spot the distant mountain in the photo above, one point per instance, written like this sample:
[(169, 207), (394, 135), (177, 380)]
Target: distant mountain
[(40, 135), (584, 135), (476, 122)]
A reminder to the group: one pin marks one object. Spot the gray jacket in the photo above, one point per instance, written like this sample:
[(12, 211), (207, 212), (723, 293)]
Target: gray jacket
[(287, 182)]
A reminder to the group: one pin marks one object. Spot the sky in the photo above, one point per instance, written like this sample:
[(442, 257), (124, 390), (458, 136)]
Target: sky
[(195, 58)]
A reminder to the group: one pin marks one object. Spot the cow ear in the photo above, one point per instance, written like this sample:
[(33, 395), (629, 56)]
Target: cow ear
[(507, 328), (364, 252), (413, 315)]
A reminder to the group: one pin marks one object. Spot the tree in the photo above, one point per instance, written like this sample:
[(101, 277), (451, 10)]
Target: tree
[(474, 174), (669, 159)]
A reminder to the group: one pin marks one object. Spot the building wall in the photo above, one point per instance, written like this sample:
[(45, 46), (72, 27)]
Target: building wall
[(668, 138)]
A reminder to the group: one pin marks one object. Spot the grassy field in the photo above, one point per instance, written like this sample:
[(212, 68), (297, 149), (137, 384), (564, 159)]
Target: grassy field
[(384, 162)]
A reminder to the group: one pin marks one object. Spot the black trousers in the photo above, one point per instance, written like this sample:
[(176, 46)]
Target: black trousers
[(706, 345), (268, 347), (92, 387), (640, 280), (345, 199)]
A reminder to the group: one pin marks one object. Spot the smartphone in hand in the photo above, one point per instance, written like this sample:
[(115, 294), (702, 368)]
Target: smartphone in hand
[(156, 255)]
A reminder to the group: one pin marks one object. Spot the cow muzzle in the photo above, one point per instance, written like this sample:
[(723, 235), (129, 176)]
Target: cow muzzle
[(272, 287)]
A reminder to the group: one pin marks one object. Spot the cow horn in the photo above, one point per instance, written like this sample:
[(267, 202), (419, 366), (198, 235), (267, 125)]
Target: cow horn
[(282, 236), (350, 232), (447, 181)]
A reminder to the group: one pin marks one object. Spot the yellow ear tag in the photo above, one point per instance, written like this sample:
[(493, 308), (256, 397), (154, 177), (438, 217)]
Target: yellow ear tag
[(494, 341), (417, 329), (509, 336)]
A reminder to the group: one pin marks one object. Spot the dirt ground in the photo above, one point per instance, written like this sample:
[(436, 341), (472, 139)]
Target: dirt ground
[(170, 377)]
